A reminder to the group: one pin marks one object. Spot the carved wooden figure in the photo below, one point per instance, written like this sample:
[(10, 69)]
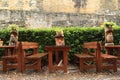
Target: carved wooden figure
[(59, 38), (13, 37), (108, 35)]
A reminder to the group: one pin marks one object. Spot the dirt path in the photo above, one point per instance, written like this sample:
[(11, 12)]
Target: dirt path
[(72, 74)]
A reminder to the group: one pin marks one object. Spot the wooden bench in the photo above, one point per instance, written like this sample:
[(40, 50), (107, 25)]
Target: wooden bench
[(86, 56), (31, 61), (107, 61), (12, 61), (102, 61)]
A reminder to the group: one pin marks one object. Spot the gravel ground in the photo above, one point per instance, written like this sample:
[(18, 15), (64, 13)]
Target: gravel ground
[(72, 74)]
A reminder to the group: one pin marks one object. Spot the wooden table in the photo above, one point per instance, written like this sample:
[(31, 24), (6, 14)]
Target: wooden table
[(56, 49), (7, 49), (110, 48)]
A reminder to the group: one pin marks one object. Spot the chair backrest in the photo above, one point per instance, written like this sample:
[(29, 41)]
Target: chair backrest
[(92, 45), (92, 48), (29, 45)]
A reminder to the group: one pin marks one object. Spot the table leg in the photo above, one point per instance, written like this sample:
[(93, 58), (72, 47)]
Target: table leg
[(57, 56), (50, 61), (9, 52), (65, 61), (6, 52), (118, 52)]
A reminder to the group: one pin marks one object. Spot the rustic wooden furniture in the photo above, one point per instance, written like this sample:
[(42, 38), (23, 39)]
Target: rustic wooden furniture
[(87, 58), (110, 49), (32, 61), (107, 61), (103, 61), (8, 49), (63, 50), (11, 61)]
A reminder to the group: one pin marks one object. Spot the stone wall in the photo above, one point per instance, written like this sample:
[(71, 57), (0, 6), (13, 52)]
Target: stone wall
[(48, 13)]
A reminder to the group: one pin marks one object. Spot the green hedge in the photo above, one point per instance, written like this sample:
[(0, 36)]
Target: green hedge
[(74, 37)]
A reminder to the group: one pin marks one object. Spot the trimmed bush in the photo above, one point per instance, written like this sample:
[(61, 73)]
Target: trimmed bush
[(74, 37)]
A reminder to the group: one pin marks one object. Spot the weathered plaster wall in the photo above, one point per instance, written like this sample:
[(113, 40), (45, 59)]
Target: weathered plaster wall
[(47, 13), (71, 6)]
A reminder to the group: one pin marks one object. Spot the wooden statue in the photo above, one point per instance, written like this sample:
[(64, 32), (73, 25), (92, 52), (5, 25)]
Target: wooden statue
[(59, 38), (108, 35), (13, 37)]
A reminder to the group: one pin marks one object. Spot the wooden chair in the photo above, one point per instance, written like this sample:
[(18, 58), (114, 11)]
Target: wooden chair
[(32, 61), (12, 61), (107, 61), (86, 59), (102, 61)]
